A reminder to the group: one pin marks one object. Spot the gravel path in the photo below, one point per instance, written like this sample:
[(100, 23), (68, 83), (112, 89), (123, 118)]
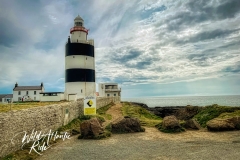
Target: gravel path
[(151, 144)]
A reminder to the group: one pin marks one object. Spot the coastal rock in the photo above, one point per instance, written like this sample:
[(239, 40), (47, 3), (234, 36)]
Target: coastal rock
[(127, 124), (219, 124), (187, 113), (192, 124), (91, 128), (170, 122)]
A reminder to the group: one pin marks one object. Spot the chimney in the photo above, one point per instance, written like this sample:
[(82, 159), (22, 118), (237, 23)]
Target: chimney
[(16, 85), (41, 84)]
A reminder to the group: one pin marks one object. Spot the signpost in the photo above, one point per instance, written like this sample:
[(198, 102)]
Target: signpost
[(90, 105)]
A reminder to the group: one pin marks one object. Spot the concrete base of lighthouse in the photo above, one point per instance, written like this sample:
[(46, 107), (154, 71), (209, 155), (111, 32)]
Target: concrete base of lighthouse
[(81, 89)]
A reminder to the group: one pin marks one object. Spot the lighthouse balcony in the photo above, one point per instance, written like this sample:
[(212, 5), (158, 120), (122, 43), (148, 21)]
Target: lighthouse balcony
[(78, 28), (113, 90)]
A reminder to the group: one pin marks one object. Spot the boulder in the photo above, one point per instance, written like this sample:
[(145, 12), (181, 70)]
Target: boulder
[(127, 124), (91, 128), (224, 124), (187, 113), (170, 122), (192, 124)]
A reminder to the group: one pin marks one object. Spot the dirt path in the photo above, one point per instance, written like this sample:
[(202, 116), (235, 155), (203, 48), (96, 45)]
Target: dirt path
[(116, 113)]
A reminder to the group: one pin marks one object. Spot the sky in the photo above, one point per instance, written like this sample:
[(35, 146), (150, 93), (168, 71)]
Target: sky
[(148, 47)]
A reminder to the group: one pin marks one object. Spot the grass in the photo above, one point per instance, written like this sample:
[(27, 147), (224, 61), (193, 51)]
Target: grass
[(210, 112), (74, 125), (102, 111), (146, 118), (24, 105), (229, 115)]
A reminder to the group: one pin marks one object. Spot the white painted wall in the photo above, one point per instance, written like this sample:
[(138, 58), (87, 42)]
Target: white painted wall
[(76, 87), (103, 92), (72, 97), (49, 98), (30, 94), (78, 36), (111, 94), (79, 61)]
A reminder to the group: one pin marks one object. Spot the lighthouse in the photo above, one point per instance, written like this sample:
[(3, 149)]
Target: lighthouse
[(79, 62)]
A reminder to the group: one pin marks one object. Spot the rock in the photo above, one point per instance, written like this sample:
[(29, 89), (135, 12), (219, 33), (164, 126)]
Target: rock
[(223, 124), (187, 113), (127, 125), (170, 122), (192, 124), (91, 128)]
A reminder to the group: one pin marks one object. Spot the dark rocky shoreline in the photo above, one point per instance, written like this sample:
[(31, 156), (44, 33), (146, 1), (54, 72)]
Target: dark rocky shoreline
[(167, 111)]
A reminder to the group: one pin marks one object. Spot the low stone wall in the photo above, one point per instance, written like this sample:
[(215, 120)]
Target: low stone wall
[(13, 124)]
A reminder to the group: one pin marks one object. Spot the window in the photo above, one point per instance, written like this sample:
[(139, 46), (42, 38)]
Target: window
[(19, 98), (19, 92), (108, 95), (26, 92), (114, 94), (81, 90), (35, 92), (35, 98), (78, 23), (73, 57), (86, 58)]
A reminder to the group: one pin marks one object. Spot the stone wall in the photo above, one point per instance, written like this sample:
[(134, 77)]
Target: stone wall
[(43, 118)]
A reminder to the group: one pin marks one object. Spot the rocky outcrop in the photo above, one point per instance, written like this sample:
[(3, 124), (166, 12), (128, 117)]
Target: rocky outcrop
[(224, 124), (91, 128), (170, 122), (187, 112), (192, 124), (165, 111), (181, 112), (127, 124)]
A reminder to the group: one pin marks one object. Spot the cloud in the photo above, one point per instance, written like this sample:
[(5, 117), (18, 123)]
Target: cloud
[(136, 42)]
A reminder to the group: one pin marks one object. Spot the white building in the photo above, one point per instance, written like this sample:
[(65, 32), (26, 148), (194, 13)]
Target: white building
[(51, 96), (27, 93), (108, 90), (6, 98), (79, 63)]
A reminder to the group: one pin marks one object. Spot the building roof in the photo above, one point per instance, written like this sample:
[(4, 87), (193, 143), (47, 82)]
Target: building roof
[(21, 88), (5, 96), (78, 18)]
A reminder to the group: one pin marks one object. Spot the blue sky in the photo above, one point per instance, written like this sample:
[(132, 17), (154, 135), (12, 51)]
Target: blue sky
[(149, 47)]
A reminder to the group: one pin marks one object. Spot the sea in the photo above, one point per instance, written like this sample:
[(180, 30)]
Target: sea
[(229, 100)]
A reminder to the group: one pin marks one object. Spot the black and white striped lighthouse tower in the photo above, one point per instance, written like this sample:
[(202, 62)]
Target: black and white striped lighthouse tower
[(79, 62)]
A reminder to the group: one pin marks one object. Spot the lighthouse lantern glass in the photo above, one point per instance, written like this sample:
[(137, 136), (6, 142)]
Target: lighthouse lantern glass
[(78, 23)]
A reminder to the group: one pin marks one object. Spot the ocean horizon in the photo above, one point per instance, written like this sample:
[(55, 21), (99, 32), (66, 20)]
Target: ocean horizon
[(165, 101)]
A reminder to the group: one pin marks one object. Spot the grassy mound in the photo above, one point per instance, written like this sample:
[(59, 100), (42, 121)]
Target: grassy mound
[(210, 112), (146, 118), (102, 111)]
